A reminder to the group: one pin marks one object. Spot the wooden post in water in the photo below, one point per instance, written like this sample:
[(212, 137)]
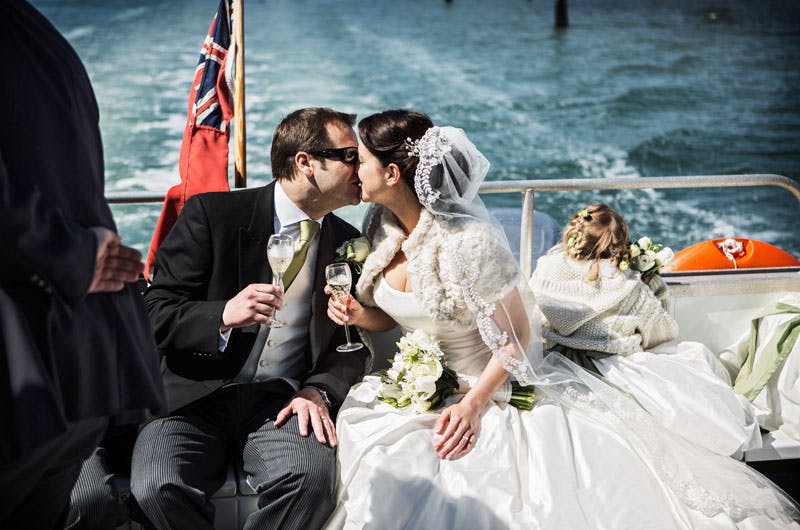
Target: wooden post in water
[(562, 18), (239, 140)]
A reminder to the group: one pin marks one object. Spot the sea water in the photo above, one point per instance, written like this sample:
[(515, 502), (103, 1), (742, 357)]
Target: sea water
[(632, 88)]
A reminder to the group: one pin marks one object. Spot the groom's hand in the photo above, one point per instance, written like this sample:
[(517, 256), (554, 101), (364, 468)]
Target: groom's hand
[(309, 406), (255, 304)]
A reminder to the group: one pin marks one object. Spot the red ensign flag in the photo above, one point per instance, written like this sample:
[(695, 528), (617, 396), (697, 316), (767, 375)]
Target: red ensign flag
[(203, 162)]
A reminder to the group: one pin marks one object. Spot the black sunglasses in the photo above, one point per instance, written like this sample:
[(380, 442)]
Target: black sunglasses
[(348, 155)]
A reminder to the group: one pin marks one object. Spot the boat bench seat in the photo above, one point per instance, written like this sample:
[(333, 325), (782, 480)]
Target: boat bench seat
[(233, 502)]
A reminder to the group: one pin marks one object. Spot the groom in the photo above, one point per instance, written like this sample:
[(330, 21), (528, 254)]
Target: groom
[(236, 388)]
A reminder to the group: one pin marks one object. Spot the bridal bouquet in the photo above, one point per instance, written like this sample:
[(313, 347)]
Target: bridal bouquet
[(522, 397), (418, 377), (647, 258)]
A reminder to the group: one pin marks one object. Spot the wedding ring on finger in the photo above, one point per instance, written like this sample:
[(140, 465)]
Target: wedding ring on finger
[(467, 438)]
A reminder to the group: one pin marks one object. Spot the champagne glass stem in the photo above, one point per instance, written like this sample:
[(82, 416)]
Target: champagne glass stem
[(277, 280), (347, 333)]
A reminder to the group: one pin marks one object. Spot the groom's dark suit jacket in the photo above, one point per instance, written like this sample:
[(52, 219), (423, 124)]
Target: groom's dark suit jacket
[(217, 247)]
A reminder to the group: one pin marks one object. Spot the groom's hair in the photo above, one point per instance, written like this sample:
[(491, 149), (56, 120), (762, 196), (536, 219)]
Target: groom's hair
[(303, 130)]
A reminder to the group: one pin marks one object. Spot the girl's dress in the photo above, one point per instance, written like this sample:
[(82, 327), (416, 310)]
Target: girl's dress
[(620, 328)]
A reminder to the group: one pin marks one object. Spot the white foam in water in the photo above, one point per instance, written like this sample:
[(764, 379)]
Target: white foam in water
[(172, 125), (538, 103), (79, 32), (604, 161), (423, 63), (151, 179), (129, 14)]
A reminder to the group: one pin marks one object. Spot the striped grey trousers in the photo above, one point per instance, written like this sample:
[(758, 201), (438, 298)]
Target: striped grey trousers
[(94, 501), (179, 462), (35, 489)]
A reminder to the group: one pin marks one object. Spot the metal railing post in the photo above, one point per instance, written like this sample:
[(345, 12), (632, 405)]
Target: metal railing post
[(526, 233)]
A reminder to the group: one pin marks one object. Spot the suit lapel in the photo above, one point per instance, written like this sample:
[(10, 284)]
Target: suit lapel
[(253, 264)]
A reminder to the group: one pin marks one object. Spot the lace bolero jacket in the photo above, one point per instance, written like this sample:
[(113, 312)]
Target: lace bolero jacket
[(618, 314), (441, 255)]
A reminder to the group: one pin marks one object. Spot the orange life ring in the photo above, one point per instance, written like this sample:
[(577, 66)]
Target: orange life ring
[(731, 253)]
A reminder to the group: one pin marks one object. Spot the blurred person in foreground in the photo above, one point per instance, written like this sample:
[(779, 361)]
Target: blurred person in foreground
[(77, 348)]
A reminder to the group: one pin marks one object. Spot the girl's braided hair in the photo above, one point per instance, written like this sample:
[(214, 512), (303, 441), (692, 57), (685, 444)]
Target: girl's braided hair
[(594, 233)]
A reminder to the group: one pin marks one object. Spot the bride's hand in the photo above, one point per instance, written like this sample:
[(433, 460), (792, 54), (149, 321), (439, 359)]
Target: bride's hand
[(458, 426), (340, 313)]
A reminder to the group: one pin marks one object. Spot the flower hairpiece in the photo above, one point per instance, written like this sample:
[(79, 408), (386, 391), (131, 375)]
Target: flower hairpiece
[(430, 149), (584, 214), (412, 147)]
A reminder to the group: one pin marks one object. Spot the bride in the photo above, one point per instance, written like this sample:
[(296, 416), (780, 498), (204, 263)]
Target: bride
[(586, 455)]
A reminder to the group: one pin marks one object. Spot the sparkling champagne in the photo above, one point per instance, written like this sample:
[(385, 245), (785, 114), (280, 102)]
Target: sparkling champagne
[(340, 286), (279, 259), (280, 251), (339, 279)]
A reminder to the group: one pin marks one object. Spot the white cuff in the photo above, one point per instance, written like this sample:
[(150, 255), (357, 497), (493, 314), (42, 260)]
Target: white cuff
[(224, 337)]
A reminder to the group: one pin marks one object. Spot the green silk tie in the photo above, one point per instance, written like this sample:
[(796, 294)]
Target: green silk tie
[(307, 230)]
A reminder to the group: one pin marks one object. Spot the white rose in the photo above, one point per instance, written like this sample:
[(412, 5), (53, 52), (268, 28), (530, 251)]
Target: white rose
[(665, 255), (645, 262), (392, 391), (420, 339), (425, 387), (407, 387), (421, 406), (635, 250), (431, 368), (402, 346), (644, 242), (361, 248)]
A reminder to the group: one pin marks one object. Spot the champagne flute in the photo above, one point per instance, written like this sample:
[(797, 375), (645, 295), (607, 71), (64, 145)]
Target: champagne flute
[(338, 277), (280, 251)]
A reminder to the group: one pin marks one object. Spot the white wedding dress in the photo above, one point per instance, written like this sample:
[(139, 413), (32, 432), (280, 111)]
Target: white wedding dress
[(579, 460)]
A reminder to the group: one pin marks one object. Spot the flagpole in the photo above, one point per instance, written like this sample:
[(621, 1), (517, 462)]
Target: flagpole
[(239, 140)]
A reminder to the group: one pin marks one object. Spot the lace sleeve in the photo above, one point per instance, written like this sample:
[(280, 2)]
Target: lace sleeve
[(505, 325), (484, 260)]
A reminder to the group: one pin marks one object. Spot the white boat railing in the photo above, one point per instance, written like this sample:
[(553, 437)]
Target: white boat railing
[(528, 189)]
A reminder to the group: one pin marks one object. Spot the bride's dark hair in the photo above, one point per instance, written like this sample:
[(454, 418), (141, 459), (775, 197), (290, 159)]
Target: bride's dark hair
[(384, 134)]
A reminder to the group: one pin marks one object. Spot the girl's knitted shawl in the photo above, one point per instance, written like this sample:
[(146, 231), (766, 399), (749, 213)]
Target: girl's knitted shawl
[(617, 314)]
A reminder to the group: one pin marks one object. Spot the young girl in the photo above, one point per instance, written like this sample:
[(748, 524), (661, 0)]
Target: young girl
[(601, 315)]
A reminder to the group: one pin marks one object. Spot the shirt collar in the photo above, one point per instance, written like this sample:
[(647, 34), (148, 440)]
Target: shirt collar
[(286, 212)]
